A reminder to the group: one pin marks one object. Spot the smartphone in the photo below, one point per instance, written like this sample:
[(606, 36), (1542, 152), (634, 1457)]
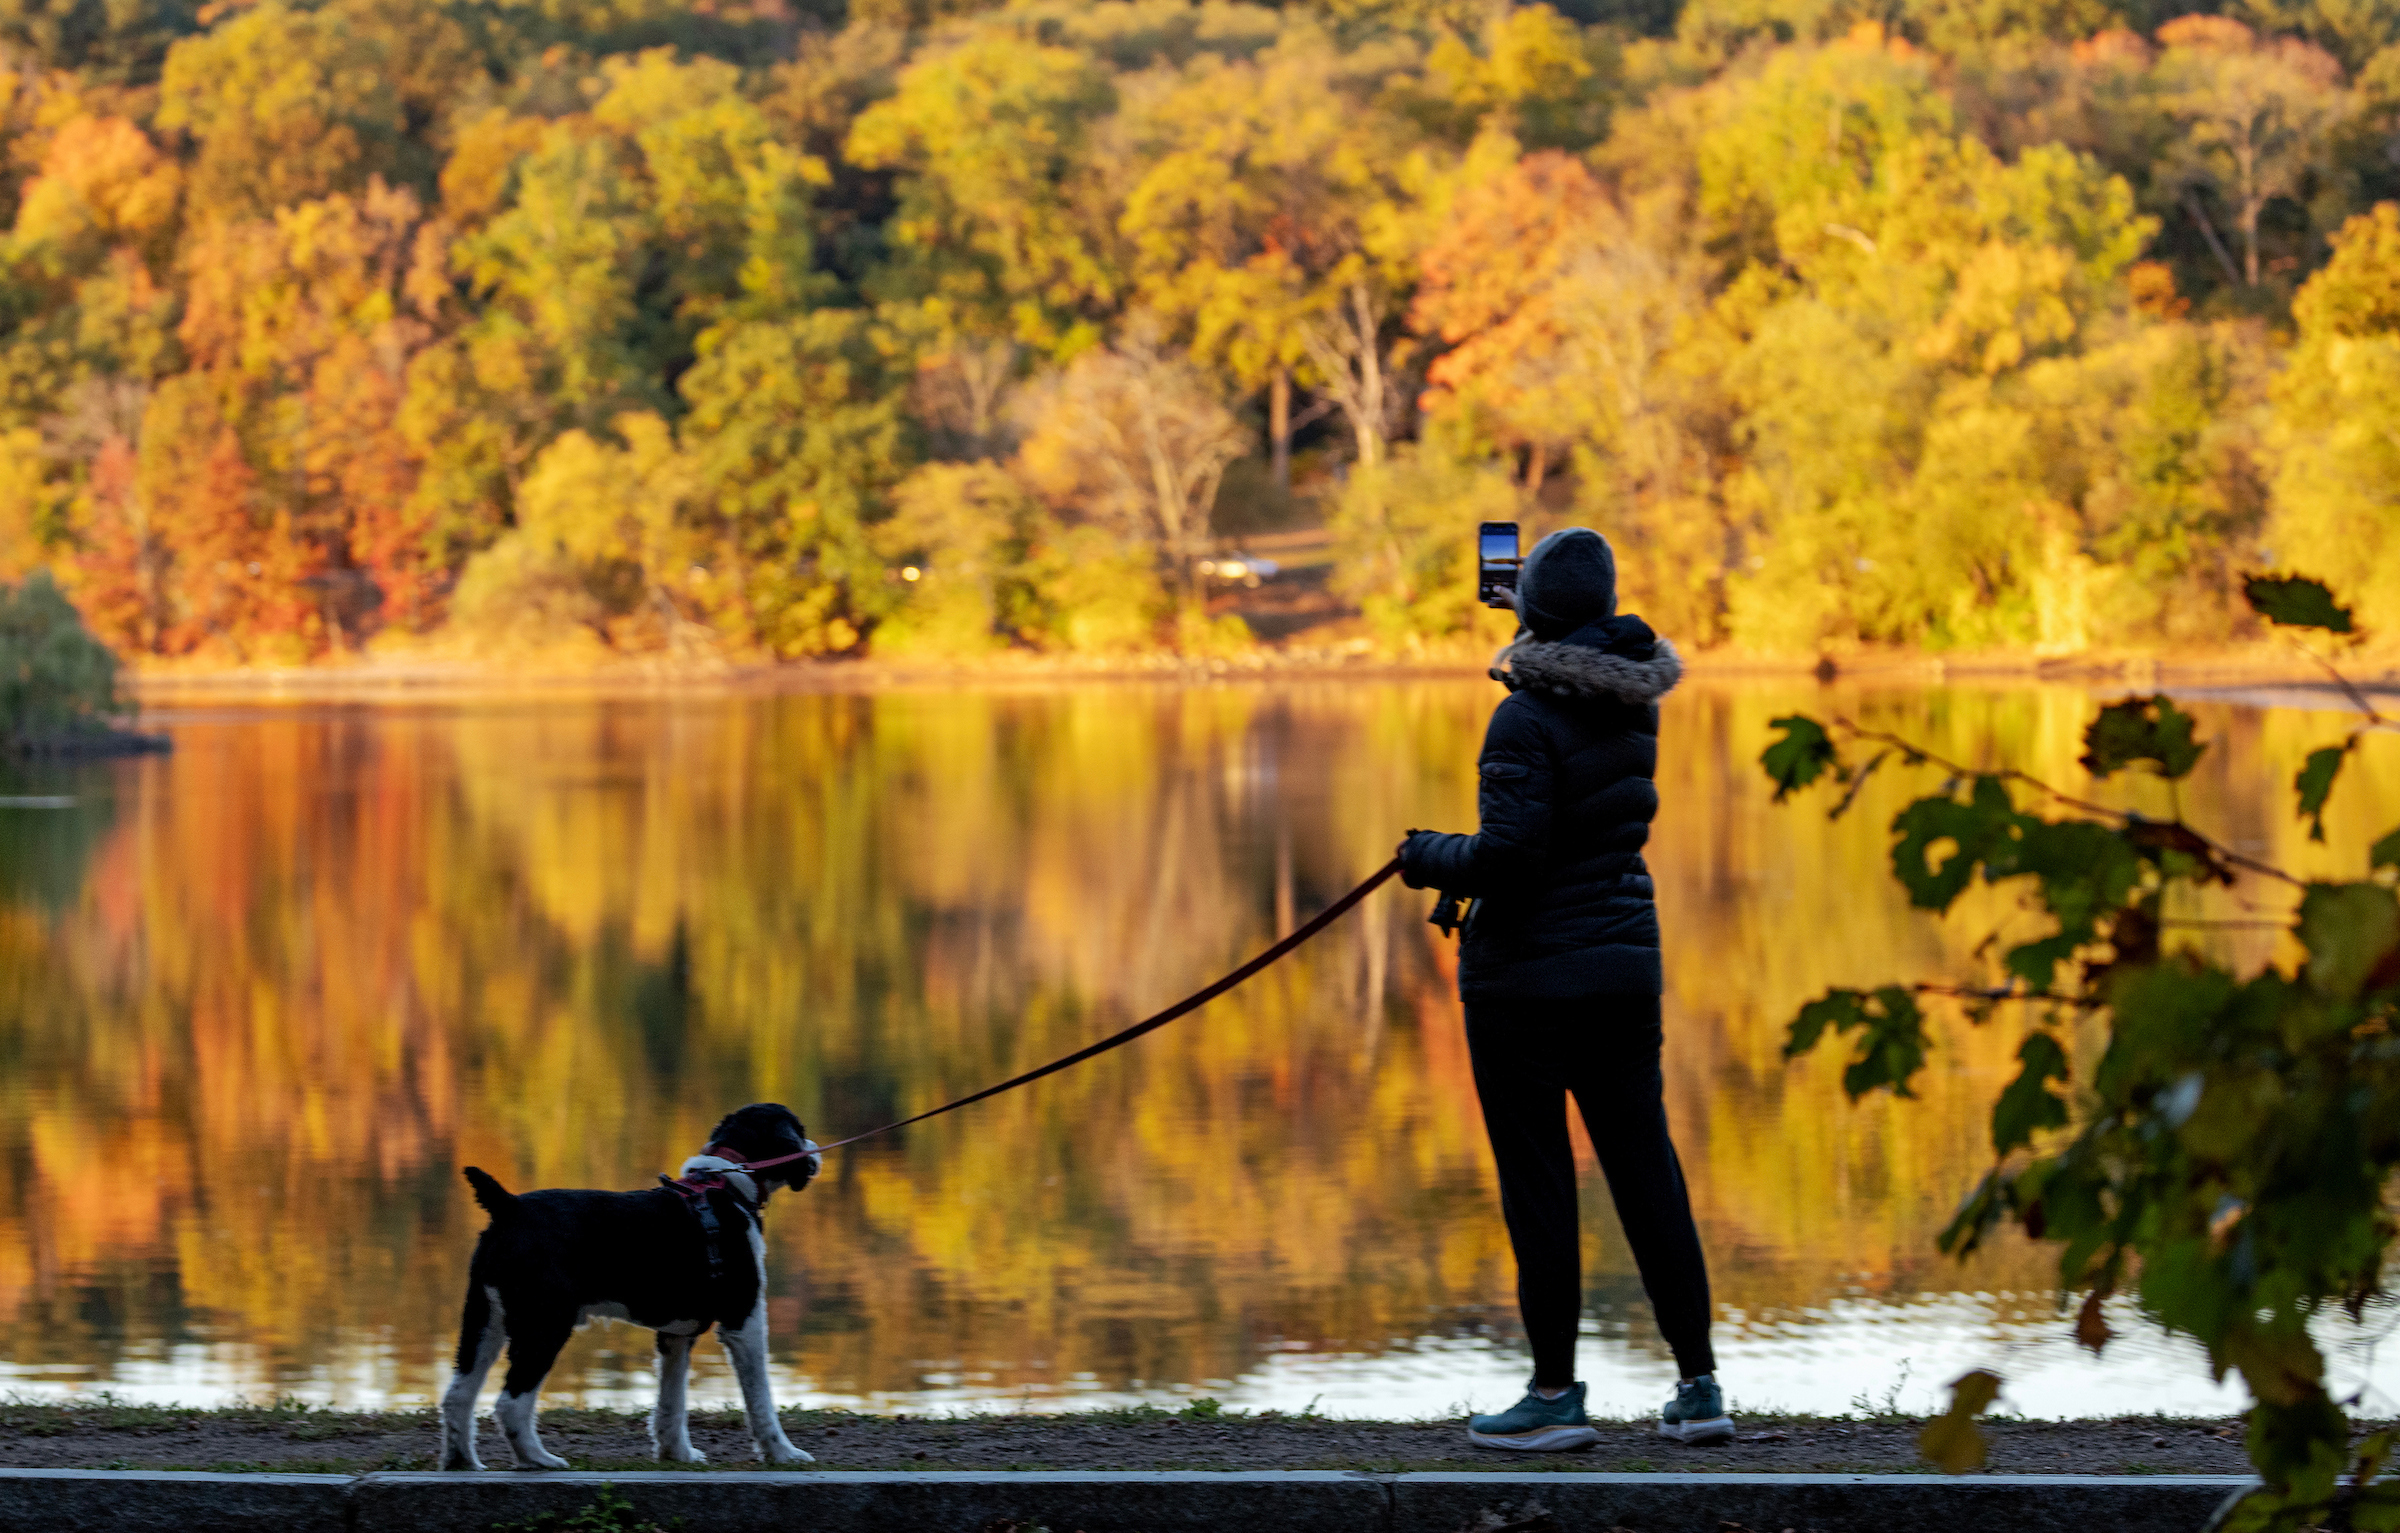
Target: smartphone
[(1497, 561)]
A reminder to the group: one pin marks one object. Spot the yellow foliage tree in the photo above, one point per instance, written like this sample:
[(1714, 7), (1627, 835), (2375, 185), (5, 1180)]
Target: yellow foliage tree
[(1276, 223), (2255, 114), (601, 550), (1141, 438), (2337, 422)]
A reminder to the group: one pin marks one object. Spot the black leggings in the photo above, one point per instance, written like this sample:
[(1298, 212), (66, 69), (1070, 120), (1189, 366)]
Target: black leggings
[(1528, 1055)]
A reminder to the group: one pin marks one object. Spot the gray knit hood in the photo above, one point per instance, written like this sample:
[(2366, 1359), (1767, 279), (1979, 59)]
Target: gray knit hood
[(1566, 583)]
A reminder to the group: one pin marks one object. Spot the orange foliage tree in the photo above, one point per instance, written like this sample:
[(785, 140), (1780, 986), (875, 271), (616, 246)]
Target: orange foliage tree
[(1492, 289)]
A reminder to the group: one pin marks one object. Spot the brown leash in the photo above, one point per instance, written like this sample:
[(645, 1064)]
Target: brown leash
[(1189, 1003)]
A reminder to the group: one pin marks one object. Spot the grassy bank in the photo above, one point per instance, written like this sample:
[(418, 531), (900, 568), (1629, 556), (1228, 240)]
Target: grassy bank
[(293, 1438)]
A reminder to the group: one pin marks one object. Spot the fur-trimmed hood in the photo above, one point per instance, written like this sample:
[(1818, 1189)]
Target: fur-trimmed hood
[(1565, 668)]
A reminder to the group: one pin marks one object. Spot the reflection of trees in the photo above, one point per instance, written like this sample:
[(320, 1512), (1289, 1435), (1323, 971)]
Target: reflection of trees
[(321, 961), (46, 851)]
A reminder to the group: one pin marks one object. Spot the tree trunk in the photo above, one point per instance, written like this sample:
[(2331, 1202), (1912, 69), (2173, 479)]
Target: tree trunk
[(1172, 516), (1346, 350), (1279, 428), (2208, 231), (1369, 423), (984, 369), (2245, 168)]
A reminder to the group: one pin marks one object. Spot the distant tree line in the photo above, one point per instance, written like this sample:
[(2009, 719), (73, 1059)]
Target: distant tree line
[(741, 327)]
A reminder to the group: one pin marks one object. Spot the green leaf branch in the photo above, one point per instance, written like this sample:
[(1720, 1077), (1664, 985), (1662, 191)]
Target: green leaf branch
[(2298, 602), (2224, 1156)]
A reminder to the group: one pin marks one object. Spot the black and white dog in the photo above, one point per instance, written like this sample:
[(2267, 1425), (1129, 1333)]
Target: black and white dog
[(677, 1259)]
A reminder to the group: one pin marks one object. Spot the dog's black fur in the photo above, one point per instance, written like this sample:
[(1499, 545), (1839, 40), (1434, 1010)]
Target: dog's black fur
[(552, 1259)]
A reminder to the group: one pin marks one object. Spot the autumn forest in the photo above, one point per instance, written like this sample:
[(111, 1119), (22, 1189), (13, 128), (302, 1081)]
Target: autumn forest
[(779, 329)]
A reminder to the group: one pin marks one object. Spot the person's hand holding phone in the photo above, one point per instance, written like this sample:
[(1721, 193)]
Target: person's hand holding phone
[(1496, 566)]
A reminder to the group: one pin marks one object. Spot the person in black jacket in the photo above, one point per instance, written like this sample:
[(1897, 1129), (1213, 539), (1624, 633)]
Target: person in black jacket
[(1559, 969)]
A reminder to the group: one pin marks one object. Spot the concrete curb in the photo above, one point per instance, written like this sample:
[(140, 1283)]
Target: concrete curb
[(945, 1501), (838, 1501), (129, 1501), (1887, 1503)]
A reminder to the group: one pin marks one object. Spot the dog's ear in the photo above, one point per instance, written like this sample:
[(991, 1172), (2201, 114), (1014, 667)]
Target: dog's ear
[(764, 1131)]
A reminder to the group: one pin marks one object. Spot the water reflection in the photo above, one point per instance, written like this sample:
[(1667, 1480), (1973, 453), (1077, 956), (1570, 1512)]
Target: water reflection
[(262, 997)]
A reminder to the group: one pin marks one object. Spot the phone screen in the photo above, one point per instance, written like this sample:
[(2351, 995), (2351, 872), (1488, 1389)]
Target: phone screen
[(1500, 547)]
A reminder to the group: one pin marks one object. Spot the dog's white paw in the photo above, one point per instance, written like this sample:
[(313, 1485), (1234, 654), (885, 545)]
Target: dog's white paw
[(458, 1451), (688, 1455), (784, 1453), (540, 1458)]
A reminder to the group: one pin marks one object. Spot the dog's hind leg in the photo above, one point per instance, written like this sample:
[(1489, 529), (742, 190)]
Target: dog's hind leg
[(670, 1428), (480, 1334), (533, 1344), (747, 1346)]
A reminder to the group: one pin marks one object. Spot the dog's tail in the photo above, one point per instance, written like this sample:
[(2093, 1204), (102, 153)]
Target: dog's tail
[(497, 1200)]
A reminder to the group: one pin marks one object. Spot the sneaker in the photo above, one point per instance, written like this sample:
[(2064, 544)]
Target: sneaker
[(1536, 1425), (1697, 1413)]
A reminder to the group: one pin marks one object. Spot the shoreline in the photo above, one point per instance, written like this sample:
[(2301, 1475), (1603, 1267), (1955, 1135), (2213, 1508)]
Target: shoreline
[(2261, 674)]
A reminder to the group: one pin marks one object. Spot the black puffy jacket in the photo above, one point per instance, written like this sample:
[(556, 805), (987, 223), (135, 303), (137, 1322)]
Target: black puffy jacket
[(1563, 900)]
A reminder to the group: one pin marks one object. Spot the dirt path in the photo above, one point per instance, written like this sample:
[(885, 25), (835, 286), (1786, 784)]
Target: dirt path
[(297, 1439)]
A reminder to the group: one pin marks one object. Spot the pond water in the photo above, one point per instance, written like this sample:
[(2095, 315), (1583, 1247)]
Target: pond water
[(260, 1000)]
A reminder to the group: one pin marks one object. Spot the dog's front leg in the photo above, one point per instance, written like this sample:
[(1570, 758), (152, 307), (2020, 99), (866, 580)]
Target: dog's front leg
[(670, 1426), (747, 1346)]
